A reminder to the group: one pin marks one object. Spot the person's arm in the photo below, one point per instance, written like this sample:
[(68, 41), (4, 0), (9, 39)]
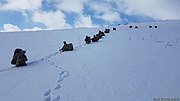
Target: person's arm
[(62, 49)]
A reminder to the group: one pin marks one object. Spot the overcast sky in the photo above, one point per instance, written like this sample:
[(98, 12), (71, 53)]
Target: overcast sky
[(16, 15)]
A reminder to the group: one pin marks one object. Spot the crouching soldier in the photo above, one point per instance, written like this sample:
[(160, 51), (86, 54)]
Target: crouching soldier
[(94, 39), (21, 59), (107, 31), (16, 53), (101, 33), (87, 40), (114, 28), (67, 47), (98, 36)]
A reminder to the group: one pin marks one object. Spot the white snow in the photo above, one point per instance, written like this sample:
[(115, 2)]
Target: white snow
[(126, 65)]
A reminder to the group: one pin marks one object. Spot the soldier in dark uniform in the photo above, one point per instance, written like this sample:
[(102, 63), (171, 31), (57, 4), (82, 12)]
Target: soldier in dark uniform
[(21, 59), (94, 39), (114, 28), (70, 47), (67, 47), (98, 36), (101, 33), (16, 53), (64, 47), (87, 40), (107, 31)]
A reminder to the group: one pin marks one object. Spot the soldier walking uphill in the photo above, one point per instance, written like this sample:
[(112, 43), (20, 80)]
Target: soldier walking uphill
[(19, 58)]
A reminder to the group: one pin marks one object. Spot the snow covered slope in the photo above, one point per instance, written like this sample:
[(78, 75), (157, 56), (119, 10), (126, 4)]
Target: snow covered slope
[(128, 64)]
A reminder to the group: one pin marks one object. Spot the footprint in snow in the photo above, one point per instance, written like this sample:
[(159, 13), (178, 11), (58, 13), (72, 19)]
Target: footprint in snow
[(48, 98), (56, 66), (60, 79), (51, 63), (57, 87), (63, 75), (57, 98), (55, 54), (47, 93)]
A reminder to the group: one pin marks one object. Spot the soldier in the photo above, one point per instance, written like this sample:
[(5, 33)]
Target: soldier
[(94, 39), (101, 33), (67, 47), (150, 26), (70, 47), (136, 27), (87, 40), (16, 53), (114, 28), (98, 36), (107, 30), (64, 47), (21, 59)]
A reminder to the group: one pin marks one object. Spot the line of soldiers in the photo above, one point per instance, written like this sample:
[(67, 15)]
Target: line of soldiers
[(138, 27), (96, 37), (19, 58), (152, 26), (134, 27), (69, 47)]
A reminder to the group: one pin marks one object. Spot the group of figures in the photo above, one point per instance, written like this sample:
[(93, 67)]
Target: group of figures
[(88, 40), (138, 27), (19, 58), (96, 37)]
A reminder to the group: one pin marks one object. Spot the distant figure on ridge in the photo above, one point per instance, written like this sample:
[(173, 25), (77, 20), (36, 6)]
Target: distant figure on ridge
[(101, 33), (114, 28), (95, 38), (87, 40), (136, 27), (107, 31)]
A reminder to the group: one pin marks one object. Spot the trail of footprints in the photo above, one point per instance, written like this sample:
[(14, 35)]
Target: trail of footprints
[(44, 59), (165, 43), (49, 94), (53, 94)]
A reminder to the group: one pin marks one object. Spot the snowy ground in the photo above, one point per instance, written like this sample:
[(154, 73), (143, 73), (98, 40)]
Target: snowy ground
[(126, 65)]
